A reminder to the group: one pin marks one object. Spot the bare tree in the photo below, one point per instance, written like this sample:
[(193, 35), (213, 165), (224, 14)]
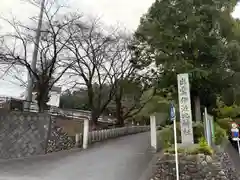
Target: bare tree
[(52, 61), (132, 92), (95, 52)]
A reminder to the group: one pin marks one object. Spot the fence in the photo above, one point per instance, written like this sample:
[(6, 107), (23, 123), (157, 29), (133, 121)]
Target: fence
[(101, 135)]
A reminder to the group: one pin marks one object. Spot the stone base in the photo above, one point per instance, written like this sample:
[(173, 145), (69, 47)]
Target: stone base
[(191, 167)]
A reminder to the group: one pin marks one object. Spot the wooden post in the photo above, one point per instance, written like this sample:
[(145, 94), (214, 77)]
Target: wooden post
[(77, 139)]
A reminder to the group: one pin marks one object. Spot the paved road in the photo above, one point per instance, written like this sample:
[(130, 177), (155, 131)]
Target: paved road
[(233, 153), (124, 158)]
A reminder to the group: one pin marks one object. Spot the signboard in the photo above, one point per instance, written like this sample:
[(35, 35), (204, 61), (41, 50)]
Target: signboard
[(172, 113), (173, 118), (185, 109), (235, 135), (235, 132)]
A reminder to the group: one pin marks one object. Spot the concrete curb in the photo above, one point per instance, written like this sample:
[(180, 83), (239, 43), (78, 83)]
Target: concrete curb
[(152, 166)]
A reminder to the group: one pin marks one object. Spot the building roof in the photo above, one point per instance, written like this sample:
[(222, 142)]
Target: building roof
[(56, 89), (53, 89)]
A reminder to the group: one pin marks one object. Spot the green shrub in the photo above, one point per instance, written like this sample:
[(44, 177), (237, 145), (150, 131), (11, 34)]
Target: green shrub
[(225, 123), (229, 111), (220, 134), (224, 111), (198, 131), (165, 136), (171, 150), (201, 148)]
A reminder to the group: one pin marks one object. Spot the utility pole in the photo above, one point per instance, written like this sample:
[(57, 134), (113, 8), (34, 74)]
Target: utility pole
[(29, 90)]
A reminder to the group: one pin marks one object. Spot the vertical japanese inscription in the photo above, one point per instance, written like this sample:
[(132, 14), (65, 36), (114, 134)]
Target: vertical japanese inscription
[(185, 109)]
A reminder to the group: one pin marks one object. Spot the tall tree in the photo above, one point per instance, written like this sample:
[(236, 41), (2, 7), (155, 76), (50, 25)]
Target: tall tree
[(52, 62), (133, 86), (188, 37), (130, 98), (95, 52), (75, 100)]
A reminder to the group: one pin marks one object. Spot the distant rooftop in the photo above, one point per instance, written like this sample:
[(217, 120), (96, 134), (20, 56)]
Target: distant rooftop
[(54, 89)]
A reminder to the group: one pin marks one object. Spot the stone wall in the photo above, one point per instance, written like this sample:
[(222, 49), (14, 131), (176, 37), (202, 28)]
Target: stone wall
[(226, 163), (191, 167), (23, 134), (59, 139)]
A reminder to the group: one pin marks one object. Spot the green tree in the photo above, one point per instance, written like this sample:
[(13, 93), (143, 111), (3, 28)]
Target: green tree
[(130, 98), (193, 37), (75, 100)]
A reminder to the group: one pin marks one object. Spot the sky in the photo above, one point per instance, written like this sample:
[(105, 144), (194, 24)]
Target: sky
[(127, 13)]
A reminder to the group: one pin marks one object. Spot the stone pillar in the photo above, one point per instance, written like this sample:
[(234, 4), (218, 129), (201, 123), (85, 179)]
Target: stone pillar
[(153, 132), (77, 139), (85, 133), (105, 134)]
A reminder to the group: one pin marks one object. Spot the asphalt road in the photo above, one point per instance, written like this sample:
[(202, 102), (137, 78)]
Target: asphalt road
[(233, 153), (125, 158)]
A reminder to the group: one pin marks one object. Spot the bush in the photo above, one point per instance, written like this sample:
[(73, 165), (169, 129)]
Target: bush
[(225, 123), (198, 131), (229, 111), (224, 111), (220, 134), (166, 137), (201, 148), (171, 150)]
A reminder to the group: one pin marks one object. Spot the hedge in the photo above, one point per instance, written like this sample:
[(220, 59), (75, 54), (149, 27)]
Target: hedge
[(166, 139), (201, 148), (225, 123)]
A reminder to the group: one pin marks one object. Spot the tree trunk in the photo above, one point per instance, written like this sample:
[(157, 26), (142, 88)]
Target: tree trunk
[(94, 120), (119, 111), (42, 95), (119, 116), (41, 106), (94, 116), (197, 106)]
